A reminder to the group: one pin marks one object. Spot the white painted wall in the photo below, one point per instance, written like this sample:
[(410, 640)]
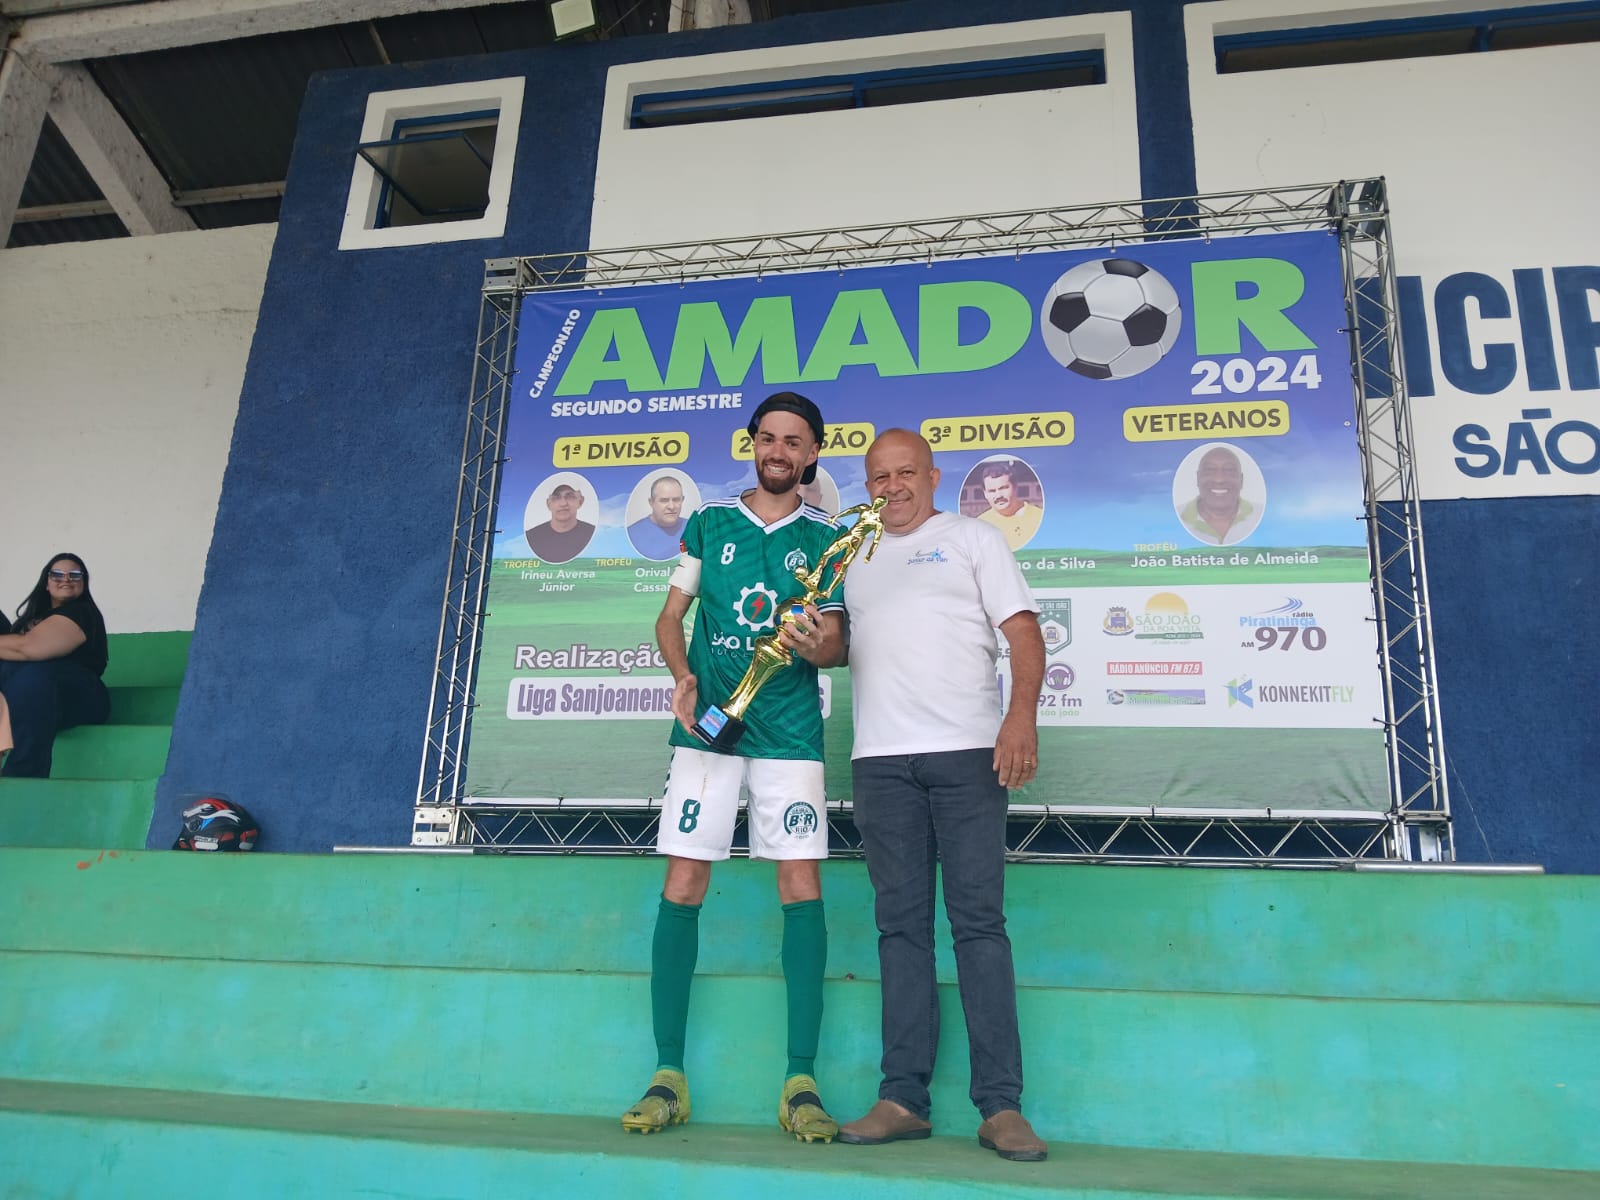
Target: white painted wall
[(872, 165), (120, 368), (1491, 165)]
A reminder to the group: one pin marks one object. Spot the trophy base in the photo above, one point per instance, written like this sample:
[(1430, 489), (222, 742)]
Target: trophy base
[(719, 731)]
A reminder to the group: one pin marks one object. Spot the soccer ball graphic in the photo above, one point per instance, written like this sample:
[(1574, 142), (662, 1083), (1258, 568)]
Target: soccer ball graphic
[(1110, 318)]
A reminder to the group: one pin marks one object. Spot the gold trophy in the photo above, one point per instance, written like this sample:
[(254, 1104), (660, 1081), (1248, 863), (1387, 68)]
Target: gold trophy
[(721, 726)]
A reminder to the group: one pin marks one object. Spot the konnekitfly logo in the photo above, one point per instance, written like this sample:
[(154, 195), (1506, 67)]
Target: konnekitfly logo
[(1246, 692), (1166, 618), (1055, 623)]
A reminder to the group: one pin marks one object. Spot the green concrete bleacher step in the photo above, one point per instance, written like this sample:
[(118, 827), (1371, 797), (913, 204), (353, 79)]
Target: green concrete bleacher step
[(1460, 938), (1283, 1013), (155, 705), (116, 1142), (147, 659), (108, 813), (1487, 1084), (111, 752), (102, 787)]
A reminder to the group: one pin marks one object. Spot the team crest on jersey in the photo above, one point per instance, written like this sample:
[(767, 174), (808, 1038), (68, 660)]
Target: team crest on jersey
[(755, 607), (795, 561), (800, 820)]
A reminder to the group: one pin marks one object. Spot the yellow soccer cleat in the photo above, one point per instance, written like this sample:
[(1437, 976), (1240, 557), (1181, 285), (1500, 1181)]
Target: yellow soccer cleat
[(800, 1111), (665, 1103)]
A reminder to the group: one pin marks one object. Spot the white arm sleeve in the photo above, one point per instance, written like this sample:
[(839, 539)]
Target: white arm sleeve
[(686, 576)]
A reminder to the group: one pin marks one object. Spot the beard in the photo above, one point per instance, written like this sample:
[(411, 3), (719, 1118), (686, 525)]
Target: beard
[(777, 487)]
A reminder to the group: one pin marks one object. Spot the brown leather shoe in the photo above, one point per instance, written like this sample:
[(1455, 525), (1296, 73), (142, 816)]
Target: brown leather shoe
[(1009, 1135), (886, 1121)]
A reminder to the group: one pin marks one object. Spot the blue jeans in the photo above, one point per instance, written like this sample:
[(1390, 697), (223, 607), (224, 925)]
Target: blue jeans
[(914, 811), (45, 698)]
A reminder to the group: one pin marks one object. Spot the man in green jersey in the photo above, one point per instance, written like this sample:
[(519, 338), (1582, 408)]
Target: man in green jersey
[(739, 561)]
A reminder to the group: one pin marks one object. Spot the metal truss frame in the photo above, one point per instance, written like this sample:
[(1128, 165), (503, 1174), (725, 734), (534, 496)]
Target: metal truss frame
[(442, 778), (1417, 783), (1034, 833), (1416, 826)]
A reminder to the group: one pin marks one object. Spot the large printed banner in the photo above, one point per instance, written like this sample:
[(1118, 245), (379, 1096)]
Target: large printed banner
[(1164, 433)]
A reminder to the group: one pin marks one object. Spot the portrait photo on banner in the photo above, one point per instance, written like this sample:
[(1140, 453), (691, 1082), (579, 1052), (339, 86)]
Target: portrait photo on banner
[(658, 512), (561, 516), (1004, 491), (1219, 494)]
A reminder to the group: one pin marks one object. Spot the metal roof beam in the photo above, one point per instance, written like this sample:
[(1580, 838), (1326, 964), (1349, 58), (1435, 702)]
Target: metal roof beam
[(112, 154), (24, 97), (102, 208), (164, 24), (71, 211)]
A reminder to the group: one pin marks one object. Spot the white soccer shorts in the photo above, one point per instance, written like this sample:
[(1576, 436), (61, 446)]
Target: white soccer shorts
[(787, 813)]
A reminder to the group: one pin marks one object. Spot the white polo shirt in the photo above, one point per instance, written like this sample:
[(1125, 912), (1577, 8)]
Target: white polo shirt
[(923, 645)]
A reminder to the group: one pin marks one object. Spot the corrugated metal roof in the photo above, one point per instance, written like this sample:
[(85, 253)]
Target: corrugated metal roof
[(56, 176), (77, 229), (223, 113)]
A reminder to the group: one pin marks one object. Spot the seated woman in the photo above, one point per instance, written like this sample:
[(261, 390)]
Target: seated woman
[(50, 668), (5, 729), (5, 717)]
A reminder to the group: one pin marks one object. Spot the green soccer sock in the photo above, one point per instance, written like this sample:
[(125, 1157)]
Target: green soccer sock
[(672, 961), (805, 957)]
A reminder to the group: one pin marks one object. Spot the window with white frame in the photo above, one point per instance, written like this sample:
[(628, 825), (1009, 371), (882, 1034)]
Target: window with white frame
[(433, 165)]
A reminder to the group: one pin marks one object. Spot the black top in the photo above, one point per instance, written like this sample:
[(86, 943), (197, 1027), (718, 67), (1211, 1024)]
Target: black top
[(556, 547), (94, 652)]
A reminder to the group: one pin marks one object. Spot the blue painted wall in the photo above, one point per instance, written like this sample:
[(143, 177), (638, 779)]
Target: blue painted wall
[(309, 678), (1511, 584)]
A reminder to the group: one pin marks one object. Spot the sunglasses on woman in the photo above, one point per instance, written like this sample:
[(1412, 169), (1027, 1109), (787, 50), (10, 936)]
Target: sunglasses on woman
[(66, 576)]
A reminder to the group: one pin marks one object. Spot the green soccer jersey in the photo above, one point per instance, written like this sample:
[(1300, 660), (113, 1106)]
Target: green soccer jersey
[(746, 571)]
